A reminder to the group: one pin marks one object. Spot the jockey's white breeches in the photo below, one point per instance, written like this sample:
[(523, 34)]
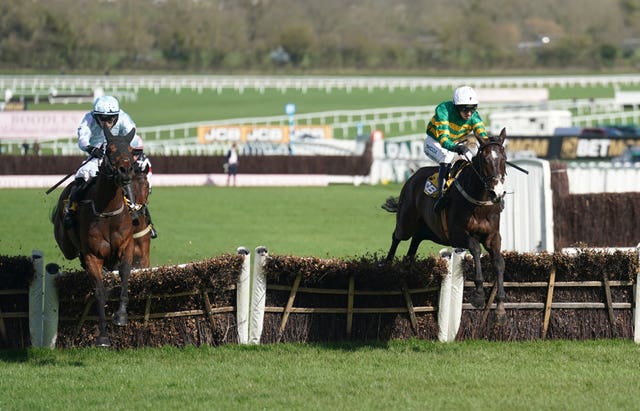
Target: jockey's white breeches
[(88, 170)]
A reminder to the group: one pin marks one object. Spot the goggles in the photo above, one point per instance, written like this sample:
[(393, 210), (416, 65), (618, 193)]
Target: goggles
[(105, 118), (467, 109)]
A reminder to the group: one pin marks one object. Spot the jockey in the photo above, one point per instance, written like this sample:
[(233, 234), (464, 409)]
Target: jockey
[(452, 121), (141, 159), (106, 112), (142, 162)]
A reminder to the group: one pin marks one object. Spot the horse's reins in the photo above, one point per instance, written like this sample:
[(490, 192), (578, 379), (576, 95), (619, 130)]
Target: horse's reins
[(111, 175), (483, 180), (469, 198), (105, 214)]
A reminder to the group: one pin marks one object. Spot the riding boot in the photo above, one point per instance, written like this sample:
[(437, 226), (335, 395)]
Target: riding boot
[(154, 233), (442, 175), (72, 205), (131, 203)]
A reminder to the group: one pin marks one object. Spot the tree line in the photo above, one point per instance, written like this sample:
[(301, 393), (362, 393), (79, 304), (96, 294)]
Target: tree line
[(271, 36)]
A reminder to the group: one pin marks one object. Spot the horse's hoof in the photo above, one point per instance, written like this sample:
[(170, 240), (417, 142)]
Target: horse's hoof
[(103, 342), (120, 319), (477, 299)]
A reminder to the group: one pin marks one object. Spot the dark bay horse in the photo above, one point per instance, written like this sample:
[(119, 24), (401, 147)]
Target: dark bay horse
[(470, 218), (142, 232), (102, 237)]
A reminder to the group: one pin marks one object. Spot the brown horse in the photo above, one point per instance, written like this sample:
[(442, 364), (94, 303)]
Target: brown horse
[(102, 237), (471, 217), (142, 232)]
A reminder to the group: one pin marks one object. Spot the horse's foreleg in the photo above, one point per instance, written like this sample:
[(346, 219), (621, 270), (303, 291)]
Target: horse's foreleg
[(493, 245), (94, 268), (120, 316), (498, 264), (101, 296), (477, 297)]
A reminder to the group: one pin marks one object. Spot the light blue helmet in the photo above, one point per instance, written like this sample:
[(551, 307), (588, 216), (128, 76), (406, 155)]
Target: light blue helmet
[(106, 106)]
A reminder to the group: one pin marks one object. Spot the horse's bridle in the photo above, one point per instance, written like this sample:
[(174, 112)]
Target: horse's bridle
[(110, 171), (485, 180)]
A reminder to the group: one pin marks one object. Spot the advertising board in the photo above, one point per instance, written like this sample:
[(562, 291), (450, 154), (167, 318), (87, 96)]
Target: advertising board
[(43, 125), (261, 133)]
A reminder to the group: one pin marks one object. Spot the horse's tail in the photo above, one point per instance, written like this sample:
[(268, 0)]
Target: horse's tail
[(391, 204)]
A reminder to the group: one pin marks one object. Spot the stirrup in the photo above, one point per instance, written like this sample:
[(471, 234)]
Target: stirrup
[(154, 233)]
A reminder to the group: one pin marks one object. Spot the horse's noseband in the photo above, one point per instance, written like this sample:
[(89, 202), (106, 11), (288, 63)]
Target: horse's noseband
[(491, 181), (119, 175)]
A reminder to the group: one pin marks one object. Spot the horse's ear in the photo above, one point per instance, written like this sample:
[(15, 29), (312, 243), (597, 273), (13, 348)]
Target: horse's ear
[(131, 135), (503, 135), (107, 133)]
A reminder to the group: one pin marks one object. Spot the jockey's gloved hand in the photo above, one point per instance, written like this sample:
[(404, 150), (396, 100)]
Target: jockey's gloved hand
[(463, 151), (95, 152)]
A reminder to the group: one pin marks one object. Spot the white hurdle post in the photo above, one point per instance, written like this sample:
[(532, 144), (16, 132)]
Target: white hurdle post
[(258, 296), (451, 293), (43, 303), (243, 297)]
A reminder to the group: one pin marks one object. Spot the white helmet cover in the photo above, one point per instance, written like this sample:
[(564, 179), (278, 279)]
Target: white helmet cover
[(106, 105), (465, 95)]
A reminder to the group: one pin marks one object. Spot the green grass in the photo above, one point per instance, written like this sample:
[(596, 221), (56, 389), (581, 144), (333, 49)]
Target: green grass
[(196, 223), (399, 375), (169, 107)]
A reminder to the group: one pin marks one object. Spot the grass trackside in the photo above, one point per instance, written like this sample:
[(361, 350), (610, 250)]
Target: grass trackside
[(399, 375), (195, 223)]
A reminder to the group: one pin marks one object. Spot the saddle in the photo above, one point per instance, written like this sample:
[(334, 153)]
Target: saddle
[(431, 188), (80, 194)]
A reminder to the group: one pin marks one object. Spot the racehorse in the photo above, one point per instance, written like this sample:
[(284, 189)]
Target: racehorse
[(142, 232), (102, 237), (470, 218)]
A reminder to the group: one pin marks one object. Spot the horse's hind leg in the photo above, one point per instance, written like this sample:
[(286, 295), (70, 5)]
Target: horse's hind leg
[(413, 247), (393, 248), (420, 233)]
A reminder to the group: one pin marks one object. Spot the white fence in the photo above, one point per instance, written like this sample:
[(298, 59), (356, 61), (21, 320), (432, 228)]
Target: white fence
[(526, 223), (200, 83), (179, 139), (603, 177)]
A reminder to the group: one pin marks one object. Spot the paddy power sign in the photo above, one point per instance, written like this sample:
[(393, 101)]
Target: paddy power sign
[(261, 133)]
